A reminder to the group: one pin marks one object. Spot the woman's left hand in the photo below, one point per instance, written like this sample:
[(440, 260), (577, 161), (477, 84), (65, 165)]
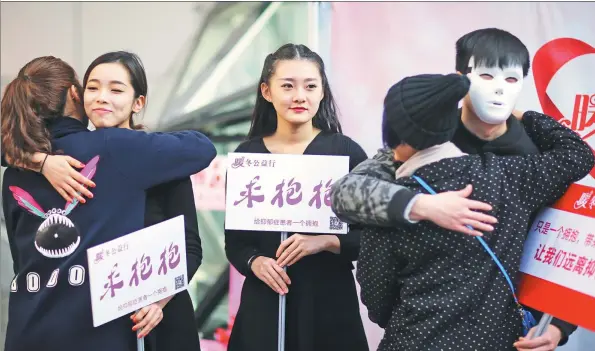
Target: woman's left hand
[(297, 246), (547, 342), (148, 317)]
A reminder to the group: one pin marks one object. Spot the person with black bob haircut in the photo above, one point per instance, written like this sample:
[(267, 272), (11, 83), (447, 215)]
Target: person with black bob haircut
[(435, 289), (496, 62)]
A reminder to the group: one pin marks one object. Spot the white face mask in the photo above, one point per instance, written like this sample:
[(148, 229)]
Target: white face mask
[(494, 91)]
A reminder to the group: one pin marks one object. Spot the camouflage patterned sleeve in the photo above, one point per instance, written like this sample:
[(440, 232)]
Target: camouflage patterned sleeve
[(368, 195)]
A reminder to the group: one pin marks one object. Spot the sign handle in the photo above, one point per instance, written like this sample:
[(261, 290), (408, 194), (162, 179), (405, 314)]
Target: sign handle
[(140, 343), (282, 304), (542, 326)]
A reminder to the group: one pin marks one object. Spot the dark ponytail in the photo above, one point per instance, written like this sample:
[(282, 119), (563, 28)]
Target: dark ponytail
[(35, 97)]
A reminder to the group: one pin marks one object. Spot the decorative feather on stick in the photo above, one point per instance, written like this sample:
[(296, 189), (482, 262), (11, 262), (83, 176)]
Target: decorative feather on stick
[(27, 201), (88, 172)]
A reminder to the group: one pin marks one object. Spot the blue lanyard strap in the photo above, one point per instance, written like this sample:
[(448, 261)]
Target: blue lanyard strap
[(483, 243)]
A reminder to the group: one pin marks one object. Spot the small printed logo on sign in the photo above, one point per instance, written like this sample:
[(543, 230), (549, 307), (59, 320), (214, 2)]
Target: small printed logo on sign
[(335, 223), (179, 281)]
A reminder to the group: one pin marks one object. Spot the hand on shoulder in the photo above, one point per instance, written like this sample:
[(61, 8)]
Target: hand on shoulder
[(518, 114)]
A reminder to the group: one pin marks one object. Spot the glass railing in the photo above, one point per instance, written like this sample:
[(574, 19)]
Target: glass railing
[(233, 69)]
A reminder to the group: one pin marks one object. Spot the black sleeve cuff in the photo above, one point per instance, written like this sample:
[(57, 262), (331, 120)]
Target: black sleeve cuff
[(350, 243), (566, 328), (239, 259), (398, 204)]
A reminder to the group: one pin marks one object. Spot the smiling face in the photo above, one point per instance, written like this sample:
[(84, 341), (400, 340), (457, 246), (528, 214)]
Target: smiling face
[(109, 97), (494, 91), (295, 90)]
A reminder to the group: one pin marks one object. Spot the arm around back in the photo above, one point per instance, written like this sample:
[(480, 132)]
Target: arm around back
[(564, 158), (148, 159)]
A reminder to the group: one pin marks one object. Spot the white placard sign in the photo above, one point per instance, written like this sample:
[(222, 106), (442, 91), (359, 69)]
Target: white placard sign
[(137, 269), (283, 193), (560, 248)]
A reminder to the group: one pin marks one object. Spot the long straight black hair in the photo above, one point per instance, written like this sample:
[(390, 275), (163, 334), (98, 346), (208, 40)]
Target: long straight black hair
[(138, 78), (264, 117)]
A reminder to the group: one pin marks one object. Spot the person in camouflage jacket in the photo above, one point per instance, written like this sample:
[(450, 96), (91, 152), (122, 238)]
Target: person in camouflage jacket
[(431, 288), (390, 204)]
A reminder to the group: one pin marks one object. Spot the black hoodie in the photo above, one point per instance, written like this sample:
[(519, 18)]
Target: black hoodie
[(50, 305)]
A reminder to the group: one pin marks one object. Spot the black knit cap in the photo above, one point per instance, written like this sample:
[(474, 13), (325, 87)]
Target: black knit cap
[(422, 110)]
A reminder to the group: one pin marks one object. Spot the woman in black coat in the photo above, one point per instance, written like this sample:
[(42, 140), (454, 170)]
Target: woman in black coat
[(168, 324), (295, 114)]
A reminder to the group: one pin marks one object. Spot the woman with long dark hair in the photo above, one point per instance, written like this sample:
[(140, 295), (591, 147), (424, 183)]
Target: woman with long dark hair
[(295, 113), (115, 90), (43, 114), (110, 104)]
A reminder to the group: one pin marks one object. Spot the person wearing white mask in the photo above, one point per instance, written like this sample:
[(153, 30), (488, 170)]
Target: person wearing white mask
[(496, 62), (494, 91)]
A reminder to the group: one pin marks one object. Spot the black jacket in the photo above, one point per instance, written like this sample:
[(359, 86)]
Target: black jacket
[(322, 304), (433, 289), (375, 199), (56, 314), (177, 330)]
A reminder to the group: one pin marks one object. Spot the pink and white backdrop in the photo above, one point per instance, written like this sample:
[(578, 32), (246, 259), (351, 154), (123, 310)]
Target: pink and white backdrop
[(373, 45)]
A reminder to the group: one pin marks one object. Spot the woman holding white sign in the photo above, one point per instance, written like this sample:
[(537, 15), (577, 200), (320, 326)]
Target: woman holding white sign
[(174, 327), (43, 101), (168, 324), (295, 113)]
